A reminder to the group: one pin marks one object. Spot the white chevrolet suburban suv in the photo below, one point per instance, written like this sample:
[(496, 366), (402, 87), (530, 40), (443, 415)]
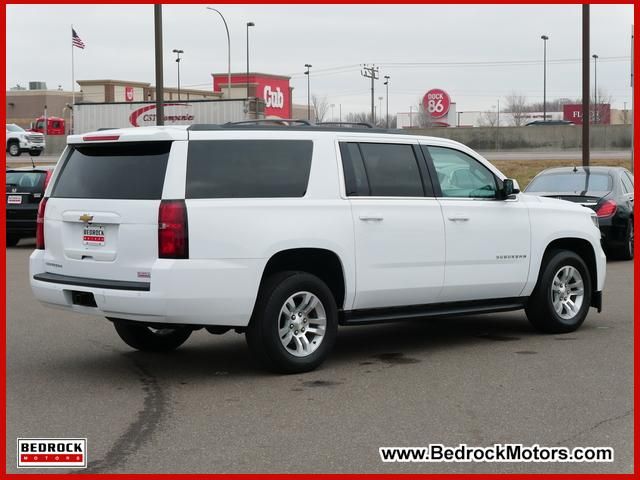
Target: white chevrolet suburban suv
[(286, 232)]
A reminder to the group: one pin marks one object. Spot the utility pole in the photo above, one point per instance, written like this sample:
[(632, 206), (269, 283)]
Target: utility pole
[(380, 108), (372, 73), (386, 84), (157, 17), (585, 85), (308, 74), (249, 24), (544, 81)]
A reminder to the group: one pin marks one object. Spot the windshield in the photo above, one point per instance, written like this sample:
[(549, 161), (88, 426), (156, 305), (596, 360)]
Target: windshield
[(571, 182), (14, 128)]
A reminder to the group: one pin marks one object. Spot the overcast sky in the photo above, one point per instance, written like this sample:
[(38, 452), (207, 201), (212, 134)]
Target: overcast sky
[(420, 47)]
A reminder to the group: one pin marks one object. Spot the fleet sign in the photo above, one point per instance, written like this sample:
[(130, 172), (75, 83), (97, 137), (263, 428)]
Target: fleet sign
[(573, 113), (436, 102)]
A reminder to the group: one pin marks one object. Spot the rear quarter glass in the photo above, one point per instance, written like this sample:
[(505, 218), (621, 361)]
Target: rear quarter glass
[(248, 168), (124, 171)]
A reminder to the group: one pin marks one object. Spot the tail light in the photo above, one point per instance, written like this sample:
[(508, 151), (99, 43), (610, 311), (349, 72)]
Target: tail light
[(46, 179), (173, 232), (40, 224), (607, 209)]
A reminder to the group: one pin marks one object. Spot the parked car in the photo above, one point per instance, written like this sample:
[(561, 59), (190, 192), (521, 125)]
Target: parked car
[(285, 232), (20, 141), (606, 190), (548, 122), (25, 189)]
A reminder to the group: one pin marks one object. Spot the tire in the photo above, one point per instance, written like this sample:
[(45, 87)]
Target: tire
[(282, 348), (625, 251), (540, 308), (14, 149), (12, 240), (147, 339), (35, 153)]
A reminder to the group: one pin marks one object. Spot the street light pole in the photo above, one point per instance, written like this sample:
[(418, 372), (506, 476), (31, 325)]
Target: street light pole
[(249, 24), (544, 81), (228, 50), (386, 84), (178, 52), (308, 74), (596, 113)]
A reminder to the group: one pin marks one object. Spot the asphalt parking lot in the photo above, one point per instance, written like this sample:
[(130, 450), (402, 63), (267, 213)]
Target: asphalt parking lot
[(206, 408)]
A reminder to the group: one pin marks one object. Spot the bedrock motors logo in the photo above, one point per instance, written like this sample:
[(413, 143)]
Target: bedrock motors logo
[(52, 453)]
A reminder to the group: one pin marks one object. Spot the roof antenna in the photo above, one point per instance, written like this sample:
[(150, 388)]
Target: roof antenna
[(33, 164), (575, 169)]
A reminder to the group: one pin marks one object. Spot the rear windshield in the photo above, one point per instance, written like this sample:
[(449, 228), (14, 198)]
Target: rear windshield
[(571, 182), (29, 182), (132, 171), (248, 168)]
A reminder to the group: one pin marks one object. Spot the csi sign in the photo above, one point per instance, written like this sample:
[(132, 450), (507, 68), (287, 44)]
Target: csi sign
[(436, 103)]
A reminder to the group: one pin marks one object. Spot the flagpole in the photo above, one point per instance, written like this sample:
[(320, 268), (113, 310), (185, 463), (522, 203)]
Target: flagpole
[(73, 86)]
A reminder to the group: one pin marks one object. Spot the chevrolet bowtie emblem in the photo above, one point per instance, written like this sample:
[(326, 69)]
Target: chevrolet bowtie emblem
[(86, 218)]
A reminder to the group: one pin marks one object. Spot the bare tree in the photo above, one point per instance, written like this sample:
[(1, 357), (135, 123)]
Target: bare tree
[(320, 107), (488, 119), (517, 106)]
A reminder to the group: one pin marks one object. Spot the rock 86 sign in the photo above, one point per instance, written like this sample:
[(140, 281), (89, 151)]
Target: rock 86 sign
[(436, 103)]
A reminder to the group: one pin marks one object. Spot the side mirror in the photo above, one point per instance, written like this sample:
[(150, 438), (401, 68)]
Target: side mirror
[(509, 187)]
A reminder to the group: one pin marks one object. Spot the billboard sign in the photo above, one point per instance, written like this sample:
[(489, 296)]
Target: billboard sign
[(573, 113), (436, 103)]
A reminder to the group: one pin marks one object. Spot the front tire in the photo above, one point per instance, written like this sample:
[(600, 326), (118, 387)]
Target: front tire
[(35, 153), (295, 323), (147, 339), (14, 149), (562, 297)]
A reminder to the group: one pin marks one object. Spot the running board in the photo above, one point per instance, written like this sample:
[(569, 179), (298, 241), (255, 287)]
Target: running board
[(434, 310)]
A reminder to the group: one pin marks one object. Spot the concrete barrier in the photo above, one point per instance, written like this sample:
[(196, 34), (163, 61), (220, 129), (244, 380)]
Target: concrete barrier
[(552, 137), (557, 137)]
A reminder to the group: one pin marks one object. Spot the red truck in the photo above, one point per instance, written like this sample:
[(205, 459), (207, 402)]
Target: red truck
[(55, 126)]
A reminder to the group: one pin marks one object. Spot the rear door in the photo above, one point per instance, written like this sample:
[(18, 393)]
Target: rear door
[(398, 226), (101, 219)]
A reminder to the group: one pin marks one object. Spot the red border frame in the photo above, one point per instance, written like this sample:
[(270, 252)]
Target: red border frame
[(480, 476)]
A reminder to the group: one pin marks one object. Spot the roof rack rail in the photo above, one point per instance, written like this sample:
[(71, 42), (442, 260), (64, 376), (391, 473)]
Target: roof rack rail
[(285, 122), (341, 124)]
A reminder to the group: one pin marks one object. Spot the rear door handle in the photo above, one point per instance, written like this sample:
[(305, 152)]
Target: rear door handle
[(459, 219), (371, 218)]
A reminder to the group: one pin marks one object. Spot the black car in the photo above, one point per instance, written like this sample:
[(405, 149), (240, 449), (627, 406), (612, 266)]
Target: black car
[(25, 189), (607, 190), (548, 122)]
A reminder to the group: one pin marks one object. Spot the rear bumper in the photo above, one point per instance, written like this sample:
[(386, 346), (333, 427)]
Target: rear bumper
[(195, 292), (21, 219)]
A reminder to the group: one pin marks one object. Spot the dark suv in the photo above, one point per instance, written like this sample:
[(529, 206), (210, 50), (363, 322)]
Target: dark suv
[(25, 189)]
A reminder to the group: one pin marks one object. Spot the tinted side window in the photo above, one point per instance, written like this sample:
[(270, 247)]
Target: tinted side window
[(132, 171), (462, 176), (392, 170), (355, 177), (248, 168)]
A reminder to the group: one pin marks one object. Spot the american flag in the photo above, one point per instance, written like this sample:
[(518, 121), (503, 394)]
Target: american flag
[(76, 40)]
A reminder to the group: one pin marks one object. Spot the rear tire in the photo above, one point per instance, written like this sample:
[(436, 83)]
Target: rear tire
[(295, 323), (14, 149), (562, 297), (147, 339), (12, 240), (625, 251)]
